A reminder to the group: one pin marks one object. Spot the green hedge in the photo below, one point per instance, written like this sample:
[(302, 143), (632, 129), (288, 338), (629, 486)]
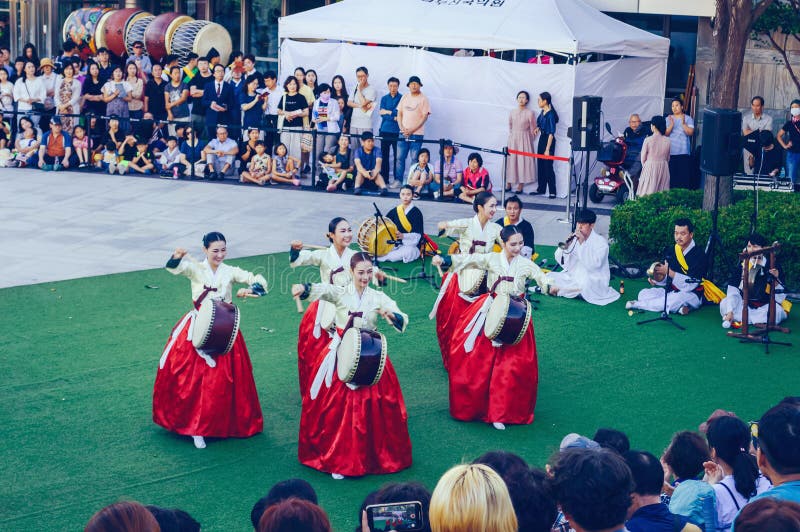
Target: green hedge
[(640, 229)]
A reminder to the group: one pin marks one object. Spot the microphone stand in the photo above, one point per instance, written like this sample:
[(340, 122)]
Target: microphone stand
[(664, 316)]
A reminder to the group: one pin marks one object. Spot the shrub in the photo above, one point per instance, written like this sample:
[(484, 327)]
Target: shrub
[(641, 229)]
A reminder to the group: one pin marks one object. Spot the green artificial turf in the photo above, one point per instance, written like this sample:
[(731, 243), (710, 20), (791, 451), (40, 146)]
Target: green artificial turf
[(79, 359)]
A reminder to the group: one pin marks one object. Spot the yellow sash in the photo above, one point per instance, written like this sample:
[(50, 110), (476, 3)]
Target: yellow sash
[(401, 216), (786, 304), (711, 291)]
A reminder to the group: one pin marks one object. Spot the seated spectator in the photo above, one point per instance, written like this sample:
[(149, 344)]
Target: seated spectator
[(220, 155), (400, 492), (647, 513), (126, 154), (733, 473), (258, 169), (123, 517), (688, 496), (27, 147), (5, 132), (476, 179), (284, 166), (612, 439), (336, 167), (472, 497), (503, 462), (173, 519), (294, 514), (82, 145), (247, 148), (593, 488), (769, 515), (114, 134), (421, 173), (369, 500), (771, 163), (56, 147), (293, 487), (368, 165), (172, 160), (142, 161), (453, 172), (778, 452), (109, 158), (192, 149)]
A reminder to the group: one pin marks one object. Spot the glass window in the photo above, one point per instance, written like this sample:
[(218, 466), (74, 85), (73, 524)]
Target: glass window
[(297, 6), (198, 10), (262, 20), (228, 13)]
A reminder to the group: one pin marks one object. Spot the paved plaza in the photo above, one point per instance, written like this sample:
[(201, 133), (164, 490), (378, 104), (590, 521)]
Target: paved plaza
[(68, 225)]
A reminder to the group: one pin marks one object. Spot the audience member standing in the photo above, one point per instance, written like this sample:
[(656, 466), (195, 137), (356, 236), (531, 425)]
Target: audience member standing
[(104, 63), (306, 92), (274, 95), (219, 104), (142, 61), (521, 131), (48, 79), (6, 95), (154, 95), (134, 79), (117, 94), (92, 92), (294, 109), (362, 102), (546, 129), (412, 113), (789, 138), (196, 87), (176, 95), (655, 159), (390, 129), (325, 115), (252, 106), (340, 93), (68, 97), (28, 91), (680, 127)]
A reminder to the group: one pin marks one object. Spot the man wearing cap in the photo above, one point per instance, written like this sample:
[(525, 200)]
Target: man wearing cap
[(141, 60), (368, 165), (389, 129), (56, 147), (220, 154), (48, 80), (412, 113), (584, 260)]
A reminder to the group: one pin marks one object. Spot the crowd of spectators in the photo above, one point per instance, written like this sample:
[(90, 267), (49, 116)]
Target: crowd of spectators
[(208, 120), (726, 476)]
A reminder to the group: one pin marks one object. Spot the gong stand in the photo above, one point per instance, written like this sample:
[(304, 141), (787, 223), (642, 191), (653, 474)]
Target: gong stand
[(762, 334)]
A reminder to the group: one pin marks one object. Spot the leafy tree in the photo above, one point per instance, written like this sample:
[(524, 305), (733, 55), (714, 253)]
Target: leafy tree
[(783, 18)]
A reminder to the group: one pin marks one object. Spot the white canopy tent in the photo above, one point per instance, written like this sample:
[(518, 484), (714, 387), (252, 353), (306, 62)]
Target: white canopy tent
[(471, 96)]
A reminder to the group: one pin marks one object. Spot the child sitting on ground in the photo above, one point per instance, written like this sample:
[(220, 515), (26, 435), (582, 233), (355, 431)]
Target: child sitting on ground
[(27, 146), (284, 166), (126, 152), (142, 162), (109, 158), (338, 167), (259, 166), (82, 146)]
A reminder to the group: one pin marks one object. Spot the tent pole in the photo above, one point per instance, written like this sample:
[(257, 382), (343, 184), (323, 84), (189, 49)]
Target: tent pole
[(505, 167)]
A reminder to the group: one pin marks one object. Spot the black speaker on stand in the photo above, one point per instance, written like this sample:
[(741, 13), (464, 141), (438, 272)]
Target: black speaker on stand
[(585, 136), (720, 155)]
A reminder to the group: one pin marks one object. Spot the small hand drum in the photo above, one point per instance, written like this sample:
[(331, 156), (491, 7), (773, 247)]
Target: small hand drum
[(472, 281), (215, 327), (508, 319), (361, 357)]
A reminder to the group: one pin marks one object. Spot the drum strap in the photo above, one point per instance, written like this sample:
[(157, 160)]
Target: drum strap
[(499, 280), (328, 365), (206, 290), (442, 291), (475, 244), (175, 333), (340, 269)]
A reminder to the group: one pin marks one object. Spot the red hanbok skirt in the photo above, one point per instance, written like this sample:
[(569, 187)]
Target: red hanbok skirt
[(194, 399), (355, 432), (451, 307), (492, 384), (309, 347)]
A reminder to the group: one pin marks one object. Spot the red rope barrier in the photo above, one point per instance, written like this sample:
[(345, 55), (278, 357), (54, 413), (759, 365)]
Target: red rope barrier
[(538, 156)]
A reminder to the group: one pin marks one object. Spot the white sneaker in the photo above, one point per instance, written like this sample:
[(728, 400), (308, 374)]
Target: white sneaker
[(436, 194), (726, 324), (199, 442), (499, 426), (394, 183), (630, 304), (337, 476)]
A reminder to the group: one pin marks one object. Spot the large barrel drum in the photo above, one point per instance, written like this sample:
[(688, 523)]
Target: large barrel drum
[(81, 27), (200, 36), (159, 33), (136, 32), (115, 29)]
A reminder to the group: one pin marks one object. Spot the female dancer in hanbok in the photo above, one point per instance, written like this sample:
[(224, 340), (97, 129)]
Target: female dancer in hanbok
[(475, 235), (350, 430), (492, 382), (316, 327), (195, 394)]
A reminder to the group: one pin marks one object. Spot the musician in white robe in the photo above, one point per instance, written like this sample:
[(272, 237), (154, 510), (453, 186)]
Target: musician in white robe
[(410, 227), (686, 265), (584, 259), (758, 291)]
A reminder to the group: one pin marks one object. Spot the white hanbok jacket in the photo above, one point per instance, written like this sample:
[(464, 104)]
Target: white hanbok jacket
[(586, 272)]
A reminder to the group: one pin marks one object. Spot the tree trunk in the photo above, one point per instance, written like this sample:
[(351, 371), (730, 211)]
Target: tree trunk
[(733, 23)]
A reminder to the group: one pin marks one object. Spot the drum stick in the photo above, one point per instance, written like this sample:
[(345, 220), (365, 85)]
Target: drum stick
[(396, 279), (439, 269), (314, 246), (299, 304)]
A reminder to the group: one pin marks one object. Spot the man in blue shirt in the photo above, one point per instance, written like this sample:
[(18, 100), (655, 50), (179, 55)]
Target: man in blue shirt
[(779, 450), (368, 165), (390, 130)]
